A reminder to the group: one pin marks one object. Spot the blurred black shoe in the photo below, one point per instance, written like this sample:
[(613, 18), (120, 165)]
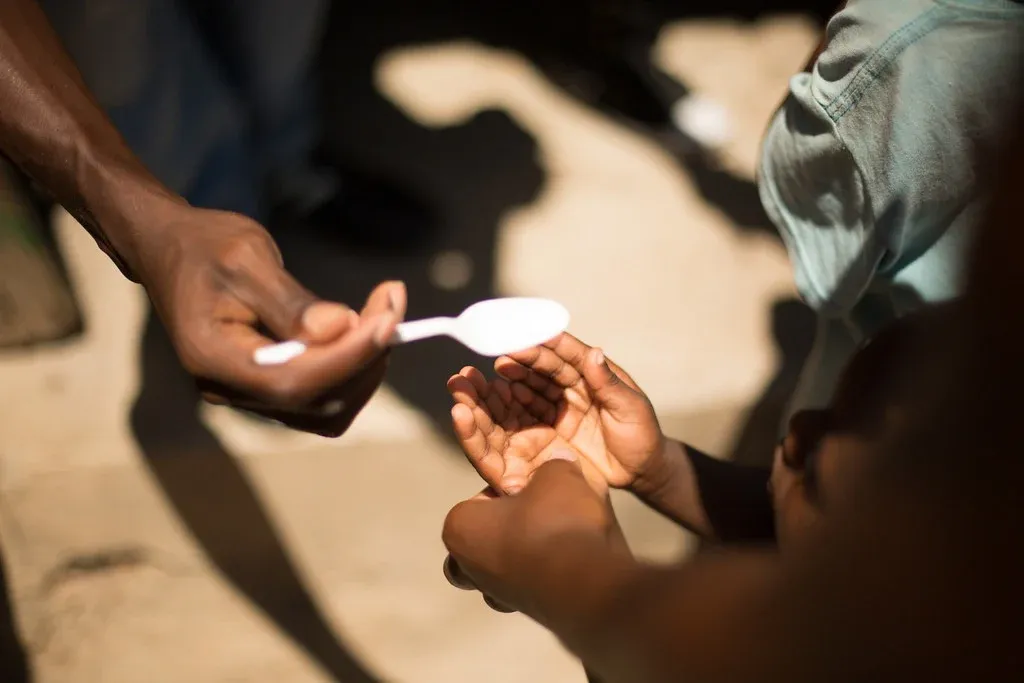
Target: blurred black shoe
[(361, 211)]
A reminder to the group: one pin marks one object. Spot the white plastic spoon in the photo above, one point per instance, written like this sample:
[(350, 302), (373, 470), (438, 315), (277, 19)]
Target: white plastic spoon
[(490, 328)]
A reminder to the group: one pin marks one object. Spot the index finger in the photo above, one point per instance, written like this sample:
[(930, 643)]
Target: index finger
[(387, 296), (560, 359), (226, 357)]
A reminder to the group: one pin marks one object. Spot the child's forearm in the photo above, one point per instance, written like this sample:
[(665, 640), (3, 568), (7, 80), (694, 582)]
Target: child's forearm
[(714, 499), (673, 491)]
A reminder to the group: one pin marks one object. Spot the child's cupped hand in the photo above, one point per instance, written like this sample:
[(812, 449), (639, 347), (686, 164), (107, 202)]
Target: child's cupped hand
[(562, 395)]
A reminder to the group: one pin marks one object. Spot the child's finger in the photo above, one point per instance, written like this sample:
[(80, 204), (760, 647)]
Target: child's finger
[(501, 387), (515, 372), (510, 369), (560, 360), (543, 386), (496, 404), (515, 476), (485, 394), (536, 405), (607, 387), (623, 375), (464, 393), (575, 352), (564, 347), (462, 390), (474, 442), (478, 380), (526, 420), (516, 413)]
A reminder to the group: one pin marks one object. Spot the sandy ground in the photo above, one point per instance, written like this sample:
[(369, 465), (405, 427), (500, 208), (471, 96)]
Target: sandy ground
[(108, 583)]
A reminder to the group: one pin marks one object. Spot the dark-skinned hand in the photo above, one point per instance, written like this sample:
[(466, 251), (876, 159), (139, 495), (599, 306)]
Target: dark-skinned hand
[(560, 394), (218, 284), (496, 543)]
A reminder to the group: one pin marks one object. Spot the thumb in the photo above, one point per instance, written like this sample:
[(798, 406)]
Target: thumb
[(324, 321), (387, 297), (290, 311), (608, 389), (252, 272)]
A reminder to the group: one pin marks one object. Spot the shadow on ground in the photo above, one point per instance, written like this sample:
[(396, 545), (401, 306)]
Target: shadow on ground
[(474, 173), (793, 325)]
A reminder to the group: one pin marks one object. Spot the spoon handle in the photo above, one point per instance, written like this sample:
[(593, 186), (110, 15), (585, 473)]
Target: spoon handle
[(414, 330)]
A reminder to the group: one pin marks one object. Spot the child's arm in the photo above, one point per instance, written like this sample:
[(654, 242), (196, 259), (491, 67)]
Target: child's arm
[(715, 499), (566, 394)]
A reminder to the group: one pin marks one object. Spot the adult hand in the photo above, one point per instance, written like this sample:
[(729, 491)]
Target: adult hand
[(218, 283), (563, 393), (510, 547)]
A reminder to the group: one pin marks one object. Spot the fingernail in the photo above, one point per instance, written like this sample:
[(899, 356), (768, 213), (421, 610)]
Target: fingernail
[(332, 408), (599, 356), (396, 296), (455, 577), (497, 606), (385, 329), (564, 454), (323, 318), (512, 486)]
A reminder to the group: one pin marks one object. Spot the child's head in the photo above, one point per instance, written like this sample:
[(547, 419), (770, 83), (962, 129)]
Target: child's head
[(824, 445)]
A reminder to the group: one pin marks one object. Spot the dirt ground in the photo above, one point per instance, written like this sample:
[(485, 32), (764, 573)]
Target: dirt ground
[(241, 552)]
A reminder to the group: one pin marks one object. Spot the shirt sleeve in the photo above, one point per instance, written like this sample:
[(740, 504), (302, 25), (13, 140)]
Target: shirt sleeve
[(735, 499), (813, 191), (869, 168)]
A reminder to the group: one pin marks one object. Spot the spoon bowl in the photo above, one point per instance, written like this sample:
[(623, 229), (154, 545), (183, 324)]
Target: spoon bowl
[(500, 326)]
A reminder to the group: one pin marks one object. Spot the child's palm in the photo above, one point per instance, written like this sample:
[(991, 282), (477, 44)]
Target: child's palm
[(591, 403), (509, 429), (618, 446), (505, 442)]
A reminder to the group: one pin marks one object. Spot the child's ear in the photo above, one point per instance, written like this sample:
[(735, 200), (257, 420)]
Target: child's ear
[(796, 515), (806, 430)]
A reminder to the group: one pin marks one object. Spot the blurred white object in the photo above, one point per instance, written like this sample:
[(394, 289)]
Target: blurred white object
[(451, 270), (704, 120)]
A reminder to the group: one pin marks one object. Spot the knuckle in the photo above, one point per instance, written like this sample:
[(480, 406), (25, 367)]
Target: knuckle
[(245, 251), (237, 257), (193, 360), (576, 357), (289, 391), (450, 532)]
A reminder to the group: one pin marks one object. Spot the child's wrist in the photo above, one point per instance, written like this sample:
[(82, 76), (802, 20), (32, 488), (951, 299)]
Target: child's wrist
[(659, 474)]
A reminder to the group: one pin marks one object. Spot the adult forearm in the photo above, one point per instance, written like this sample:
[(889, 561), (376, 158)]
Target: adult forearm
[(54, 130)]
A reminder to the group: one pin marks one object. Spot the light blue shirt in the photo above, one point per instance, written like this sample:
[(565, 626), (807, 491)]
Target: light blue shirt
[(870, 170)]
